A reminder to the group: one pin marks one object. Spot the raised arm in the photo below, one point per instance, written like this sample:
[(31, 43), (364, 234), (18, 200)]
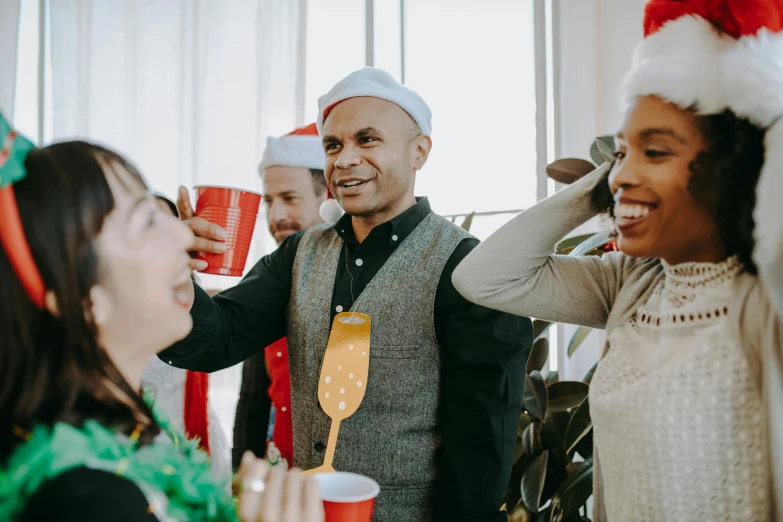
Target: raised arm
[(768, 217), (241, 321), (516, 271)]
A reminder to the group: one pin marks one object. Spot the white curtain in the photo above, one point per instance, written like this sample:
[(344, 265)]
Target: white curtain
[(9, 38), (188, 90)]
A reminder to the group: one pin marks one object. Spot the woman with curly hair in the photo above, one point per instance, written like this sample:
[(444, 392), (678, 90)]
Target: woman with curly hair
[(92, 272), (685, 401)]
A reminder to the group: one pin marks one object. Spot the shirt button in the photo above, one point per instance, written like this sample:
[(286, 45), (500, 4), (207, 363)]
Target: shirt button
[(359, 262), (319, 447), (339, 308), (394, 238)]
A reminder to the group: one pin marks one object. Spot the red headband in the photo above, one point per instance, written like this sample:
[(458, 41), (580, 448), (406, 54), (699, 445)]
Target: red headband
[(12, 238)]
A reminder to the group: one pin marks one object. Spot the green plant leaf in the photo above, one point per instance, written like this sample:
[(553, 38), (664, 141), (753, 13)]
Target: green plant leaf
[(524, 421), (543, 516), (534, 398), (551, 377), (531, 439), (602, 149), (595, 154), (566, 246), (538, 355), (528, 447), (565, 395), (585, 446), (577, 339), (605, 146), (468, 222), (574, 491), (540, 328), (552, 439), (593, 243), (527, 435), (579, 426), (533, 482), (568, 170), (609, 141), (588, 378)]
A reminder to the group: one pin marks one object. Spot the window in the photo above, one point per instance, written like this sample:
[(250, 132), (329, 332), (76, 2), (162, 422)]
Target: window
[(484, 68), (484, 134), (335, 46), (479, 65), (478, 77)]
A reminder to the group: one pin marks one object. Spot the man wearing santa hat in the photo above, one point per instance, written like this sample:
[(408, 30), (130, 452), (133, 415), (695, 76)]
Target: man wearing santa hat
[(437, 425), (294, 189)]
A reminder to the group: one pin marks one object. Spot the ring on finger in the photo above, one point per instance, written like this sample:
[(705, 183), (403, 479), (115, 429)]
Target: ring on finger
[(255, 485)]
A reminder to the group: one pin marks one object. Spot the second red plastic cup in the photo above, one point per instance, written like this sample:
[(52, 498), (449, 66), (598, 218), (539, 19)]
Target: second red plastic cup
[(236, 211), (347, 497)]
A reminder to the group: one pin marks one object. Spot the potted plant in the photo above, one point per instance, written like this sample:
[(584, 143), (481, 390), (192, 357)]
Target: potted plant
[(551, 479)]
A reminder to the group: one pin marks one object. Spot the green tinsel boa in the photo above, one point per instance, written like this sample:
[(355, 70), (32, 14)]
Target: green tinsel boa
[(175, 478)]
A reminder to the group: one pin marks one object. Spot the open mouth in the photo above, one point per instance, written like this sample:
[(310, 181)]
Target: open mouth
[(629, 215), (352, 187), (352, 184), (180, 290)]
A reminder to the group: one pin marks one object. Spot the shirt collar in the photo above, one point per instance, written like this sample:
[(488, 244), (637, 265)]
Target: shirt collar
[(395, 230)]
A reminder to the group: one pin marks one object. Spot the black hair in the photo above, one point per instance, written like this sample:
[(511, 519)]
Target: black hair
[(52, 368), (723, 180)]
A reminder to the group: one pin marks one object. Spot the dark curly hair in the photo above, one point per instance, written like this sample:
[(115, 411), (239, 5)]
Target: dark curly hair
[(724, 178)]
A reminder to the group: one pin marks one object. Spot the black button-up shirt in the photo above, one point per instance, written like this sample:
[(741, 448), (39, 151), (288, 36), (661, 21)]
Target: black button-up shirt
[(483, 355)]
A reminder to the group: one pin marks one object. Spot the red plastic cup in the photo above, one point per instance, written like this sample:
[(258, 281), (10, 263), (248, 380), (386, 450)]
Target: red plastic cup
[(236, 211), (347, 497)]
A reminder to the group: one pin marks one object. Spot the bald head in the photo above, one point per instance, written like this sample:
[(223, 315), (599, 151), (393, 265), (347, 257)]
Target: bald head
[(373, 150), (366, 111)]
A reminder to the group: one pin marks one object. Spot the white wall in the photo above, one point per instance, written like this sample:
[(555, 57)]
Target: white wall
[(9, 26), (596, 39)]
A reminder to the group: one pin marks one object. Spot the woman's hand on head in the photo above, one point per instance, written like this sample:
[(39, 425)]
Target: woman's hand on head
[(210, 238), (273, 494)]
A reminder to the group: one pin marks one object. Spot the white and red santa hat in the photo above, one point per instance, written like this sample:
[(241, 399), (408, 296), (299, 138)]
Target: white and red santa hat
[(301, 148), (714, 55)]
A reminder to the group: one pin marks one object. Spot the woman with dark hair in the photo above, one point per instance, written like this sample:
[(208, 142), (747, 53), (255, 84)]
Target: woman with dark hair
[(91, 278), (685, 401)]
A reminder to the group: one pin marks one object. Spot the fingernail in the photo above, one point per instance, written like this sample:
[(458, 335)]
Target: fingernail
[(202, 265), (220, 247), (222, 234)]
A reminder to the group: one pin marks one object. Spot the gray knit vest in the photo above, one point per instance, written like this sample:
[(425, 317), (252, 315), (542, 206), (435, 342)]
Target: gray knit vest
[(395, 434)]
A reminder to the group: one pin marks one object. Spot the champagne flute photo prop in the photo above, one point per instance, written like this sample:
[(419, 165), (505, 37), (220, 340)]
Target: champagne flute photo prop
[(343, 376)]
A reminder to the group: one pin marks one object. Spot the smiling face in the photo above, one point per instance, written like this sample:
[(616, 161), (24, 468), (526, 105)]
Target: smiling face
[(373, 150), (292, 198), (655, 212), (138, 304)]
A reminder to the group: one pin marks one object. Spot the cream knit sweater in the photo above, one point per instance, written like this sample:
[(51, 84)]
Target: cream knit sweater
[(515, 271)]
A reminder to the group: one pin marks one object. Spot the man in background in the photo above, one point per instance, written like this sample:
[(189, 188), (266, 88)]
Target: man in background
[(294, 189)]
